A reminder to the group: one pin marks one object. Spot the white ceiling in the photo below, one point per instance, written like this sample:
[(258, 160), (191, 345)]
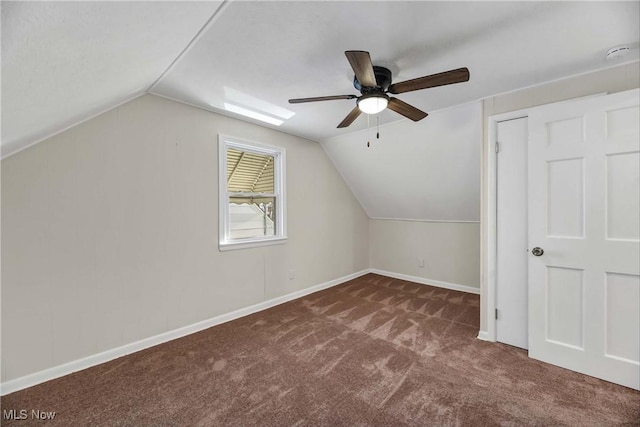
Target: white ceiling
[(428, 170), (65, 61)]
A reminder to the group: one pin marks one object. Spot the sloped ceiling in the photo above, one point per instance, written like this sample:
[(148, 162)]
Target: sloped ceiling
[(428, 170), (65, 61), (260, 54), (62, 62)]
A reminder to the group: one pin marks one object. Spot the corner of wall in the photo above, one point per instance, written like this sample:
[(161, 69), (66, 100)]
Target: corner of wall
[(337, 169)]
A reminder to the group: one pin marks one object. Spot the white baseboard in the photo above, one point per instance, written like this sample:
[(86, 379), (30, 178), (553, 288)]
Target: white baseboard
[(423, 281), (484, 336), (96, 359), (105, 356)]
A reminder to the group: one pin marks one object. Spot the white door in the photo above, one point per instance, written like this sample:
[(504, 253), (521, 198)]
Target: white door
[(511, 235), (584, 197)]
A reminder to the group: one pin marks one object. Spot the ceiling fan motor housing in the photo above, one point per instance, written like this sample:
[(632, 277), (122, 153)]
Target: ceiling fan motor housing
[(383, 80)]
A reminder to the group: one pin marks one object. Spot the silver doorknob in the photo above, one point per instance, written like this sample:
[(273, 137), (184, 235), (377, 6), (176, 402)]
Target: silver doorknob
[(537, 251)]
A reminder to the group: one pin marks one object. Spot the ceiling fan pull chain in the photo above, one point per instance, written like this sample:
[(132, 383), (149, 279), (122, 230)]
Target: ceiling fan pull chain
[(368, 132), (377, 127)]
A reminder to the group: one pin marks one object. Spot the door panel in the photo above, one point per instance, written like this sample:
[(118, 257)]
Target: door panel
[(511, 241), (584, 197), (565, 198), (622, 208), (565, 300), (623, 304)]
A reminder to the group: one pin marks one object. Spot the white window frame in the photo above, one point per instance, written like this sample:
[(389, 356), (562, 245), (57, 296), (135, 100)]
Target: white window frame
[(279, 180)]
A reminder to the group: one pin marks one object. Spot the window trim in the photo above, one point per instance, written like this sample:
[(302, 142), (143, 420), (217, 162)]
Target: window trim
[(279, 180)]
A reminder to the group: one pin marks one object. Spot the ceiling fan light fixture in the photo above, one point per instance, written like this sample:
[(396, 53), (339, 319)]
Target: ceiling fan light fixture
[(373, 104)]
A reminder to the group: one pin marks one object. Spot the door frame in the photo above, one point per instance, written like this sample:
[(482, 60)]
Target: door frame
[(490, 246), (491, 258)]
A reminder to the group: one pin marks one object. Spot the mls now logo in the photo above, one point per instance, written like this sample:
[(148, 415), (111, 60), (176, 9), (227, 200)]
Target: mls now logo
[(23, 414), (14, 414)]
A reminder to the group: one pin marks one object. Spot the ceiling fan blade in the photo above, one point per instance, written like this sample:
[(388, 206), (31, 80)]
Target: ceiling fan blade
[(361, 63), (321, 98), (350, 117), (446, 78), (406, 110)]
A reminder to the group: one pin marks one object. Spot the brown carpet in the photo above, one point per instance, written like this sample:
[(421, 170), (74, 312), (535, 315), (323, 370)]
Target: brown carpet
[(372, 351)]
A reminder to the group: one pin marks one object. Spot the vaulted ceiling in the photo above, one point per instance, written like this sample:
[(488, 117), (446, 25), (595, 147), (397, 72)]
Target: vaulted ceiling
[(63, 62)]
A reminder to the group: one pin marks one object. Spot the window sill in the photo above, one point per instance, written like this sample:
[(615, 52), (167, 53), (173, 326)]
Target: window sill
[(246, 244)]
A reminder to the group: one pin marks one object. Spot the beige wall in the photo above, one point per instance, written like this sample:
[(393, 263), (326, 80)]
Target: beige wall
[(451, 251), (414, 183), (110, 233), (611, 80)]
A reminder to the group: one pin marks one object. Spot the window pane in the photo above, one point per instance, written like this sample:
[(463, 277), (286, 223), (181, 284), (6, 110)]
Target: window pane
[(251, 217), (248, 172), (251, 200)]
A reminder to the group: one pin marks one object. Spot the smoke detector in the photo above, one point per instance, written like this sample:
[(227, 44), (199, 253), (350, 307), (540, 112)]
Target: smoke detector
[(617, 52)]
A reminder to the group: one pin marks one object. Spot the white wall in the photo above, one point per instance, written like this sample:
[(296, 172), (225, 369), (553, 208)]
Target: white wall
[(110, 233), (429, 170), (616, 79), (450, 251), (420, 184)]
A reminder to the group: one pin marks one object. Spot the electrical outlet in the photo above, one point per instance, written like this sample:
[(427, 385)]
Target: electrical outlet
[(420, 262)]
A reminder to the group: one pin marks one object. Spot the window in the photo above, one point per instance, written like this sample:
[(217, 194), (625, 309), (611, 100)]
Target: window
[(252, 196)]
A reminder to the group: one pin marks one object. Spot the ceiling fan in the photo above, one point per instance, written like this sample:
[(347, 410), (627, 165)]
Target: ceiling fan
[(374, 83)]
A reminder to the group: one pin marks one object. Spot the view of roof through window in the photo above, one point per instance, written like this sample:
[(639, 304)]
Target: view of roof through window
[(249, 172), (250, 183)]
